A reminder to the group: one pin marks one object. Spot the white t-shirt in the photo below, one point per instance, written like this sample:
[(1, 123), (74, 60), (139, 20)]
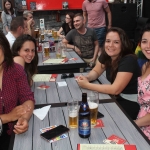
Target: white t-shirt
[(11, 39)]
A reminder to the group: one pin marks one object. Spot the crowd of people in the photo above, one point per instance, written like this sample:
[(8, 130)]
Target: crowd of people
[(107, 48)]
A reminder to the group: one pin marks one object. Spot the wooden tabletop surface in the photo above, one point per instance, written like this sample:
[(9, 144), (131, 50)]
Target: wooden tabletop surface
[(77, 65), (115, 121)]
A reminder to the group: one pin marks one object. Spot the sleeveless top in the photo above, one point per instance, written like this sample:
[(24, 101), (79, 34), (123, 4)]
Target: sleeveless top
[(144, 101)]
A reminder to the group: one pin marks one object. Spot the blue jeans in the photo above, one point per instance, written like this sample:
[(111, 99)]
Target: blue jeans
[(100, 32)]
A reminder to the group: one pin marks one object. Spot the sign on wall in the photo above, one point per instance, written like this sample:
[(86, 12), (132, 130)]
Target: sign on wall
[(55, 4)]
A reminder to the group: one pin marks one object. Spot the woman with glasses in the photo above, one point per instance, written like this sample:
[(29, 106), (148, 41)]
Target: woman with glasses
[(67, 25), (7, 14)]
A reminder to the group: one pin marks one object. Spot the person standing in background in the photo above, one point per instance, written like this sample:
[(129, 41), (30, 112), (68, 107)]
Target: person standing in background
[(67, 25), (7, 14), (95, 11)]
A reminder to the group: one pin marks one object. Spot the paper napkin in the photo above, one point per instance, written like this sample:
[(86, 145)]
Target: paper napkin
[(41, 112)]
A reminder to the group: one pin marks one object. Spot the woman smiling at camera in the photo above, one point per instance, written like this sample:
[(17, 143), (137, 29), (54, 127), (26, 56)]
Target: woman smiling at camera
[(16, 98), (122, 70), (25, 53), (143, 119)]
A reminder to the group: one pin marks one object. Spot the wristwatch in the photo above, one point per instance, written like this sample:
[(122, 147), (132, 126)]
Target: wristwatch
[(1, 127)]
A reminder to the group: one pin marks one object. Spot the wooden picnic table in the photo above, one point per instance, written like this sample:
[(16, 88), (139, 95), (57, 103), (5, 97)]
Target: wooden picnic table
[(74, 63), (115, 120)]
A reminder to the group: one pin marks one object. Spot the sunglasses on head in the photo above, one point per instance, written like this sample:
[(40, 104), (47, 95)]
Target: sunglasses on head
[(64, 76)]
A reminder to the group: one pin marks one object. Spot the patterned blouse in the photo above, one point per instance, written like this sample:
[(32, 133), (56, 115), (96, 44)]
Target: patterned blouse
[(144, 101), (15, 90)]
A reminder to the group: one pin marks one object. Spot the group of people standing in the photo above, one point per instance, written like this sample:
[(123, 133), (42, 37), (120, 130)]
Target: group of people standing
[(18, 63)]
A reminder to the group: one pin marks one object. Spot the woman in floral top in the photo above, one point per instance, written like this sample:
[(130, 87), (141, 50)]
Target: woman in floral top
[(143, 119)]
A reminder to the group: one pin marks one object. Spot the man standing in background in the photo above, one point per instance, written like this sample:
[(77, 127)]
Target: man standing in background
[(95, 11)]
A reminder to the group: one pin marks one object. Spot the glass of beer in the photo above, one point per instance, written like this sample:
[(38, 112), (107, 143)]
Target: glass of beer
[(55, 35), (93, 101), (46, 49), (42, 34), (73, 113), (53, 30), (36, 33)]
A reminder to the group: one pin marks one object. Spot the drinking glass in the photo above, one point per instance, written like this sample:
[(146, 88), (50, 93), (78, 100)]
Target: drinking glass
[(93, 101), (46, 49), (36, 33), (42, 34), (73, 113)]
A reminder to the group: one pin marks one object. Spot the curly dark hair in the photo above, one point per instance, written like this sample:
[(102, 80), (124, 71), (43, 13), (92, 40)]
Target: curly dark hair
[(30, 68), (11, 8), (126, 49), (4, 45)]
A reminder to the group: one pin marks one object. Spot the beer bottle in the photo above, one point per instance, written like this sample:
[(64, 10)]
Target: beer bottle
[(84, 123)]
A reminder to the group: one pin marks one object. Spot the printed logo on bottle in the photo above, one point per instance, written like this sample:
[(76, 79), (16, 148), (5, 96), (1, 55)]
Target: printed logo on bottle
[(84, 127)]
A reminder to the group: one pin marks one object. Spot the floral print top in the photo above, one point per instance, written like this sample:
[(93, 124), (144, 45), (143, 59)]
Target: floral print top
[(144, 101)]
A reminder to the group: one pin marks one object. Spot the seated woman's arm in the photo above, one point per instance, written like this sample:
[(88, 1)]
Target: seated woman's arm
[(143, 121), (59, 33), (96, 71), (19, 60), (22, 123), (116, 88)]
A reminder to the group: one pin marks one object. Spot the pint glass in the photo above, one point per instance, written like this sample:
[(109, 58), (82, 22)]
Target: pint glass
[(46, 49), (93, 101), (73, 114), (36, 33)]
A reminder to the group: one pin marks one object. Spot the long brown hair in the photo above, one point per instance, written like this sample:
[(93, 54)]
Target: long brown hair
[(11, 8), (4, 44), (71, 15), (30, 68), (126, 49)]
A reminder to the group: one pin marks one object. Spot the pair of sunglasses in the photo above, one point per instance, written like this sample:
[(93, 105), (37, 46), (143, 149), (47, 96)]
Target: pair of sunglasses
[(64, 76)]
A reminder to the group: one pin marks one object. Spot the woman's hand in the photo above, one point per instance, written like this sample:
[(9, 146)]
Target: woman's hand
[(18, 111), (83, 81), (21, 126)]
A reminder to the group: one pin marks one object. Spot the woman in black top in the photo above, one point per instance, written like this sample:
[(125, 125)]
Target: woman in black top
[(67, 26), (122, 70)]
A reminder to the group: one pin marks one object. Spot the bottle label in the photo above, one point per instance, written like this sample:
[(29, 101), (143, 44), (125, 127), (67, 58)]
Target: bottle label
[(84, 127), (84, 106)]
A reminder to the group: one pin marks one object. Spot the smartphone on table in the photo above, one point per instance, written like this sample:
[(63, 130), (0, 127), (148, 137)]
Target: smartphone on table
[(99, 115), (55, 132)]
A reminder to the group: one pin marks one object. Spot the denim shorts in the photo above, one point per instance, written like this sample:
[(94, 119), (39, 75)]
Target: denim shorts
[(100, 32)]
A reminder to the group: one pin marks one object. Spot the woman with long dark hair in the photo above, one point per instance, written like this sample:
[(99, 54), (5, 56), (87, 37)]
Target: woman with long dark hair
[(67, 25), (122, 70), (17, 100), (7, 14), (143, 119), (25, 53)]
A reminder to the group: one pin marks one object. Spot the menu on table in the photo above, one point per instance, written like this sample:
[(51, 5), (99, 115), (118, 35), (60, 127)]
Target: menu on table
[(41, 77), (53, 61)]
